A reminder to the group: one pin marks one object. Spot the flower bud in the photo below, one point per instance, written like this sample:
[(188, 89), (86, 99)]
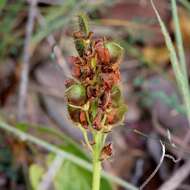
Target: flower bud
[(77, 116), (76, 94), (115, 50)]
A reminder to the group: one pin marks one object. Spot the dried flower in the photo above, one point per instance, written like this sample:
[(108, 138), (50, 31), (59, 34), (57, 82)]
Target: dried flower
[(106, 152)]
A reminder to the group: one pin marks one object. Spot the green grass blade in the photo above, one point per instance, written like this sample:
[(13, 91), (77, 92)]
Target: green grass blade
[(170, 46), (185, 3), (179, 39), (180, 78)]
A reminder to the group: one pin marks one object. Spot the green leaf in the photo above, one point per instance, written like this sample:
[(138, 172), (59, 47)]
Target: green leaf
[(72, 177), (35, 174), (2, 4)]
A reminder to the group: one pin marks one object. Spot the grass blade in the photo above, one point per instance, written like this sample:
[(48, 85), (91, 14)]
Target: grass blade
[(185, 3), (179, 39), (180, 78), (170, 46)]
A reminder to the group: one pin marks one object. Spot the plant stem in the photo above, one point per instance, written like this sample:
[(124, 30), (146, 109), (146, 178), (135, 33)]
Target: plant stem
[(96, 174), (96, 162)]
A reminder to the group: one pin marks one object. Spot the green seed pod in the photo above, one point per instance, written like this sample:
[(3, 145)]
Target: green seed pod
[(76, 94), (83, 24), (117, 114), (121, 112), (116, 96), (115, 50)]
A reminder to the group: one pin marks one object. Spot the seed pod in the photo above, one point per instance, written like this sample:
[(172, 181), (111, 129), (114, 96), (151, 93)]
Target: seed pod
[(115, 50), (76, 94), (121, 112), (102, 52), (116, 115), (116, 96), (74, 114), (105, 100), (83, 120), (97, 120)]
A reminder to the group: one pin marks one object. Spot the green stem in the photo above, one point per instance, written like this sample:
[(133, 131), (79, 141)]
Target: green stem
[(96, 175), (96, 162), (85, 135)]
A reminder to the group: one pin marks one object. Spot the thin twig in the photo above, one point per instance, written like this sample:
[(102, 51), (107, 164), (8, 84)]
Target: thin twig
[(157, 168), (51, 173), (26, 61), (177, 178), (66, 155), (172, 158), (176, 143)]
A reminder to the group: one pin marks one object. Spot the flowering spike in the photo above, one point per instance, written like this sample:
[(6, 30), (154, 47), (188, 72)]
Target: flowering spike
[(95, 102)]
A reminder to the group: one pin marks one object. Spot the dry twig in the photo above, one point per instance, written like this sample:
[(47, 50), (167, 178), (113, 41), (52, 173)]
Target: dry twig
[(157, 168), (26, 61)]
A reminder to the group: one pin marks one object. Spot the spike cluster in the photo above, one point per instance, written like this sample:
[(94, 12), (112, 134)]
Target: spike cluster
[(94, 96)]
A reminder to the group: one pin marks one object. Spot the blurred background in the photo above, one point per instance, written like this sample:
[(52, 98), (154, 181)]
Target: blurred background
[(36, 36)]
